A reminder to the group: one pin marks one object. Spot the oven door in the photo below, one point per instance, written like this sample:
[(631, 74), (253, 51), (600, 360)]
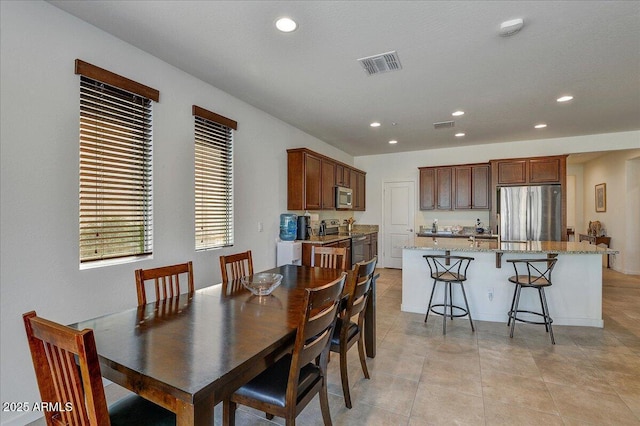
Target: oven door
[(357, 250)]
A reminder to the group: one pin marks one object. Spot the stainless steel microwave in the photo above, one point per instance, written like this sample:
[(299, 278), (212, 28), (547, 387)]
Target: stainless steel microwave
[(344, 198)]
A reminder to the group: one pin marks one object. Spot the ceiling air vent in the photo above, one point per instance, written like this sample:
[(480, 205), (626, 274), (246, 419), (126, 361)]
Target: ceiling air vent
[(378, 64), (444, 124)]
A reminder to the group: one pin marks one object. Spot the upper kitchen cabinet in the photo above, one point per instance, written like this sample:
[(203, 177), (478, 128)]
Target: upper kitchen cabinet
[(471, 190), (328, 185), (343, 176), (454, 187), (358, 183), (525, 171), (312, 178)]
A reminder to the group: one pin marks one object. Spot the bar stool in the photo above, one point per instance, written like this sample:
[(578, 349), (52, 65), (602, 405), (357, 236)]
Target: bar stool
[(538, 276), (448, 269)]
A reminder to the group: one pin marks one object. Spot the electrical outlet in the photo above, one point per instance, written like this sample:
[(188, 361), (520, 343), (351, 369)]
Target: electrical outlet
[(260, 227), (490, 294)]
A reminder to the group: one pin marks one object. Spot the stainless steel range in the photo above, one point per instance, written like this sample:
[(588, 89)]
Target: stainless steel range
[(332, 227)]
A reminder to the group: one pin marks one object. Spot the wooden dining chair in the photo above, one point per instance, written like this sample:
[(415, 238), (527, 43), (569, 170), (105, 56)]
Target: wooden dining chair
[(68, 375), (166, 280), (347, 333), (287, 386), (329, 257), (234, 267)]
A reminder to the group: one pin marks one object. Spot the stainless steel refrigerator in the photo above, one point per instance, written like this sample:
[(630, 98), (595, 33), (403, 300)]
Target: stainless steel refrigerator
[(530, 213)]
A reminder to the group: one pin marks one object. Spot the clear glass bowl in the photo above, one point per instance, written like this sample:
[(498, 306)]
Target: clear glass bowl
[(261, 284)]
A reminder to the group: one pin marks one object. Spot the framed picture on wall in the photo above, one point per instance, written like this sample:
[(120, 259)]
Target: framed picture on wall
[(601, 197)]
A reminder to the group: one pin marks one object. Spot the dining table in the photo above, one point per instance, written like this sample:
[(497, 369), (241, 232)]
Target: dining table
[(189, 352)]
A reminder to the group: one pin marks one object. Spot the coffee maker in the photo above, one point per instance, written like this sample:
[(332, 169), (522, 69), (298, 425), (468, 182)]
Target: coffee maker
[(304, 228)]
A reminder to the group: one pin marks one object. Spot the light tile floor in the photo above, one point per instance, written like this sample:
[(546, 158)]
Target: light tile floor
[(420, 377)]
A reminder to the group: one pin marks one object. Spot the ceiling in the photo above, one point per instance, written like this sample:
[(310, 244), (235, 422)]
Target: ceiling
[(451, 54)]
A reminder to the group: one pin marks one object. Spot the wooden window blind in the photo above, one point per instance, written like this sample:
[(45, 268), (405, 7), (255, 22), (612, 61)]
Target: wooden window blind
[(115, 167), (213, 179)]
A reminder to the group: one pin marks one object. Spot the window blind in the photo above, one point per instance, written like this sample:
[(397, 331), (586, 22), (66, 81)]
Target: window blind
[(213, 179), (115, 172)]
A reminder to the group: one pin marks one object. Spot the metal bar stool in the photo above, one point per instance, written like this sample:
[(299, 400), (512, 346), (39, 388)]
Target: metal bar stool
[(448, 269), (538, 276)]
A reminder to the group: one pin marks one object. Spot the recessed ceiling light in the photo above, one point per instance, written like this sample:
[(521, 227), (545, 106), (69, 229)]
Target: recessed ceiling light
[(565, 98), (393, 142), (459, 135), (375, 124), (457, 113), (540, 126), (286, 25)]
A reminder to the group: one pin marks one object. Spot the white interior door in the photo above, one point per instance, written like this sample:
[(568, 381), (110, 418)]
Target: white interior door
[(399, 217)]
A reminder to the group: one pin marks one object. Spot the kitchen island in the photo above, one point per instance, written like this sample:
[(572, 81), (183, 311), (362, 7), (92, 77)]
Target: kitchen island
[(575, 298)]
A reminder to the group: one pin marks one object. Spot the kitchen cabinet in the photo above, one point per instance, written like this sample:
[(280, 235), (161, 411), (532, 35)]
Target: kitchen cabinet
[(471, 187), (304, 181), (436, 188), (427, 188), (524, 171), (374, 246), (328, 185), (461, 187), (343, 176), (358, 183), (312, 178)]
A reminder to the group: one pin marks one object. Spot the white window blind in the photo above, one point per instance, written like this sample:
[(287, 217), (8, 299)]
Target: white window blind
[(115, 171), (213, 179)]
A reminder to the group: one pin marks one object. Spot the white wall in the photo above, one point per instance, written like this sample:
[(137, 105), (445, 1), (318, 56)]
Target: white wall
[(39, 181), (404, 166), (620, 171)]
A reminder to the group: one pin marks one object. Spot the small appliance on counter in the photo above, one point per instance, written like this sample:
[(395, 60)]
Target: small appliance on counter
[(304, 228)]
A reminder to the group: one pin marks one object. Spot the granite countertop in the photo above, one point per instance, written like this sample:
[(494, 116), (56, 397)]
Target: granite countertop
[(449, 234), (562, 247), (358, 230)]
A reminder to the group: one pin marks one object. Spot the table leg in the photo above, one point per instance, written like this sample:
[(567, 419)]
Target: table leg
[(199, 414)]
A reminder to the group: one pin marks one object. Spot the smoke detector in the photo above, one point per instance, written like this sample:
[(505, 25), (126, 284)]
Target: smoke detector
[(509, 28), (383, 62)]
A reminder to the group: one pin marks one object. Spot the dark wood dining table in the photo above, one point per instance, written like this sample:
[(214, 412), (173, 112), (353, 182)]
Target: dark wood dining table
[(189, 352)]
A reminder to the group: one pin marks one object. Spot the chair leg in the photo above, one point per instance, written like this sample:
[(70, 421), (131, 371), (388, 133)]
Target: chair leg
[(547, 316), (464, 294), (544, 313), (450, 301), (444, 311), (514, 311), (361, 353), (344, 375), (513, 302), (324, 403), (228, 412), (433, 289)]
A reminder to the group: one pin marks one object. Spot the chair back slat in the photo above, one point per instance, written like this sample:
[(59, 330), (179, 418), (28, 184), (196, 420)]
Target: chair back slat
[(329, 257), (62, 381), (315, 327), (236, 266), (166, 281)]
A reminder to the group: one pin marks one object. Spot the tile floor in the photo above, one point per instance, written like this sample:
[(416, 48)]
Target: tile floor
[(420, 377)]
